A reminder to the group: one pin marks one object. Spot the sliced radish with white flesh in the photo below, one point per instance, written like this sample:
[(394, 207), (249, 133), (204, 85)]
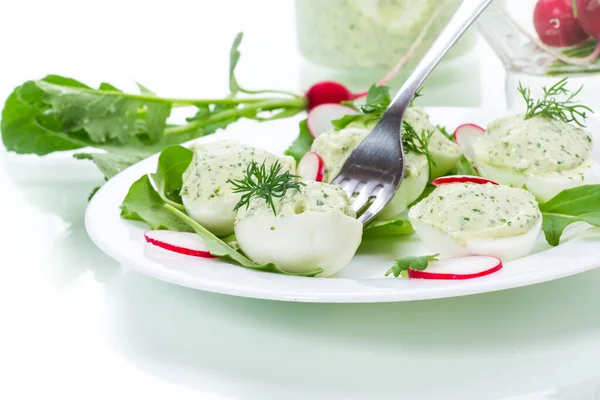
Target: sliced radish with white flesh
[(459, 268), (445, 180), (465, 136), (311, 167), (319, 118), (186, 243)]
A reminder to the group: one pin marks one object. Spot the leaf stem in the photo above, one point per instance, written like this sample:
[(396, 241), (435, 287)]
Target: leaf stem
[(247, 111), (183, 102)]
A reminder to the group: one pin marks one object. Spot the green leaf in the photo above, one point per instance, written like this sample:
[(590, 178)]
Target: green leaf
[(172, 163), (302, 144), (108, 86), (234, 58), (144, 89), (345, 121), (380, 229), (379, 96), (103, 117), (156, 115), (110, 164), (22, 133), (143, 204), (580, 204), (65, 105), (416, 263), (219, 248)]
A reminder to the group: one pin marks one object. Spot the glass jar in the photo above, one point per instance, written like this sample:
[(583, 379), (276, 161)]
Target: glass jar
[(510, 28), (358, 42), (371, 34)]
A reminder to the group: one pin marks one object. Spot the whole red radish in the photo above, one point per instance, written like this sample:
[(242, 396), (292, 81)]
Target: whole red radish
[(327, 92), (556, 25), (588, 15)]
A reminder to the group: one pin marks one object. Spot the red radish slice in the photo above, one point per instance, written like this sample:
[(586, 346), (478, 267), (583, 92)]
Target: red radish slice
[(465, 136), (186, 243), (459, 268), (319, 118), (445, 180), (311, 167)]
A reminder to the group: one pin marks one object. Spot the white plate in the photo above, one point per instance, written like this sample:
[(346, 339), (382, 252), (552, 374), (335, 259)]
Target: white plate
[(361, 281)]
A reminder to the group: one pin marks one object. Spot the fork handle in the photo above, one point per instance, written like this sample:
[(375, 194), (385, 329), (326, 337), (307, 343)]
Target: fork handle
[(467, 12)]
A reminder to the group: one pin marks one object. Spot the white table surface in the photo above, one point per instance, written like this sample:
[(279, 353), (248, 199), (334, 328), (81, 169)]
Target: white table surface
[(78, 325)]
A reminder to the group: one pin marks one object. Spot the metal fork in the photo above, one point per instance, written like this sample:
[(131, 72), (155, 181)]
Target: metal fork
[(376, 167)]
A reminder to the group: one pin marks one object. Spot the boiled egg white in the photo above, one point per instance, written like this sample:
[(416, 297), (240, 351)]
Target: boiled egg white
[(461, 219), (540, 154), (314, 228), (206, 195)]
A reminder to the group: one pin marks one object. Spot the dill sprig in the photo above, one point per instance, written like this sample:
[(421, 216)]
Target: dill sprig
[(550, 106), (417, 142), (265, 184)]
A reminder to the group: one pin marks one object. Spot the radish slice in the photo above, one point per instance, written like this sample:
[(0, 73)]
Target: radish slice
[(319, 118), (465, 136), (459, 268), (186, 243), (311, 167), (445, 180)]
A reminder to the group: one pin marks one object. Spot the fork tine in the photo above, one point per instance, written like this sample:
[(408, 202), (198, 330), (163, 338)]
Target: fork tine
[(376, 206), (364, 195), (349, 186)]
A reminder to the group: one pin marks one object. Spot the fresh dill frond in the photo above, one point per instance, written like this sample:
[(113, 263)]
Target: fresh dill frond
[(417, 142), (263, 183), (418, 94), (566, 109)]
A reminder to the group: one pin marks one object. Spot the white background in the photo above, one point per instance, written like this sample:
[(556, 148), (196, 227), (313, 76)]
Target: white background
[(77, 325)]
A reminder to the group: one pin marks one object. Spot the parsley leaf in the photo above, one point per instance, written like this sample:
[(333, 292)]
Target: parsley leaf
[(402, 265)]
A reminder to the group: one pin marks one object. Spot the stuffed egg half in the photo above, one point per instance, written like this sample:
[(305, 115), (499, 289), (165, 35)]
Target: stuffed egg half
[(543, 155), (335, 146), (313, 227), (462, 219), (207, 196)]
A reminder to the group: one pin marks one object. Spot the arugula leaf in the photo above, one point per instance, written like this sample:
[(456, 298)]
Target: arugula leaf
[(103, 115), (580, 204), (22, 133), (302, 144), (345, 121), (143, 204), (219, 248), (59, 113), (380, 229), (402, 265), (110, 164), (168, 178)]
